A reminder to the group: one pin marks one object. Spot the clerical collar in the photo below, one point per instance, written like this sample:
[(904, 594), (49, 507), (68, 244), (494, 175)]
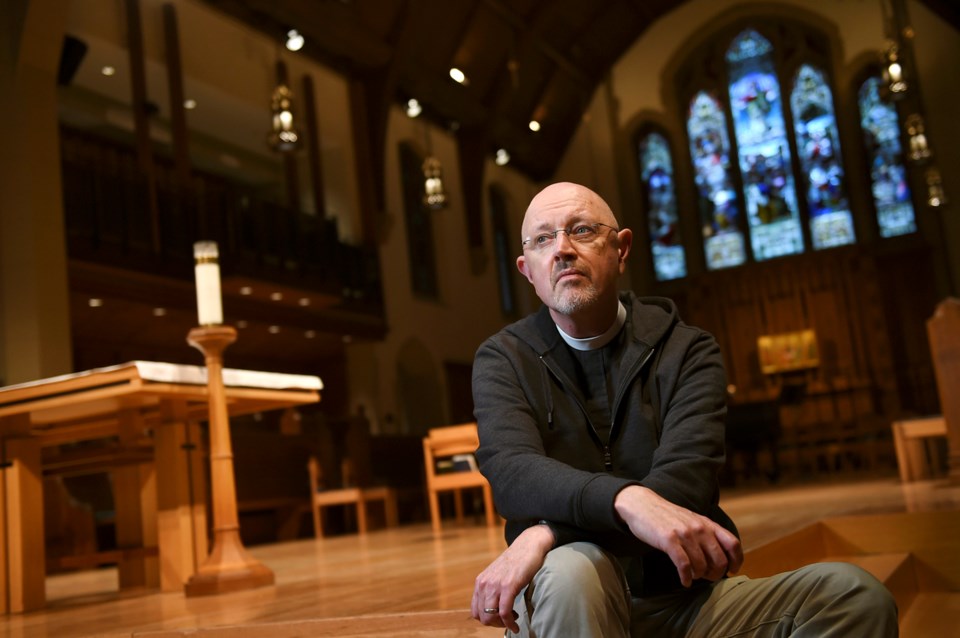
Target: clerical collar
[(597, 342)]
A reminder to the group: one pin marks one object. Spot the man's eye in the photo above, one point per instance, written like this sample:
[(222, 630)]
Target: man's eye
[(539, 240), (582, 229)]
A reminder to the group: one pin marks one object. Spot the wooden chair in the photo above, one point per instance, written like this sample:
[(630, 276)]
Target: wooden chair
[(444, 442), (357, 496)]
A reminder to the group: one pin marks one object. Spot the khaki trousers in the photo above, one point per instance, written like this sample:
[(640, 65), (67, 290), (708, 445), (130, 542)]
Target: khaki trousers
[(580, 592)]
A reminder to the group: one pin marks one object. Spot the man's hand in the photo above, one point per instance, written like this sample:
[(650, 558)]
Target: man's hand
[(498, 585), (698, 547)]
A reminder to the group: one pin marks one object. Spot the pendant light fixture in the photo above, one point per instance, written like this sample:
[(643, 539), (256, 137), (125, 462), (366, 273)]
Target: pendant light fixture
[(283, 136)]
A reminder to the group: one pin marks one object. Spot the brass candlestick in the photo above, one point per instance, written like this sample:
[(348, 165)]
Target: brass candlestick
[(228, 567)]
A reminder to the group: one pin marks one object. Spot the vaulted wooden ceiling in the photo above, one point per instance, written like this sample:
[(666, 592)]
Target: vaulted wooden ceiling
[(524, 59)]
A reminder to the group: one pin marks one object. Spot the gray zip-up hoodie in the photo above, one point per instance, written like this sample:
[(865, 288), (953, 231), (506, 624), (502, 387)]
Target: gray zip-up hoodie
[(546, 460)]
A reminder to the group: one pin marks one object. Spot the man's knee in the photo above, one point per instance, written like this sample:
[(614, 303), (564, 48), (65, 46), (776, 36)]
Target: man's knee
[(579, 591), (871, 593), (582, 572), (857, 594)]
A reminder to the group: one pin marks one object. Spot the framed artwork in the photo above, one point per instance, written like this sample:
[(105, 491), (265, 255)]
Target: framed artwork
[(788, 351)]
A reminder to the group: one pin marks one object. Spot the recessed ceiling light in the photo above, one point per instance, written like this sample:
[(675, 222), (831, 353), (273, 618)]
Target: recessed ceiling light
[(310, 334), (246, 290), (413, 107), (503, 157), (189, 104), (159, 312), (274, 329), (458, 76), (534, 125), (276, 296), (294, 40), (95, 303), (242, 323), (108, 70), (304, 301)]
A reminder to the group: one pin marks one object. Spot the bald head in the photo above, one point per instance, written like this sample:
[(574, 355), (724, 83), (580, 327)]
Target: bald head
[(567, 200), (574, 273)]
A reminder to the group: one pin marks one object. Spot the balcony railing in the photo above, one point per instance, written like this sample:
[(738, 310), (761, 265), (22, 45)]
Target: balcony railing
[(109, 221)]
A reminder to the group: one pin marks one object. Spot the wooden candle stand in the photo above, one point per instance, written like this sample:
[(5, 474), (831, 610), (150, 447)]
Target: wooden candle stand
[(228, 567)]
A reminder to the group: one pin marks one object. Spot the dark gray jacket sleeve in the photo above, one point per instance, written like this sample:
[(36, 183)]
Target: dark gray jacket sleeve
[(527, 484)]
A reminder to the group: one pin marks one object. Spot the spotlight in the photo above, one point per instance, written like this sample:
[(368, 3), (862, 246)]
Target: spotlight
[(294, 40)]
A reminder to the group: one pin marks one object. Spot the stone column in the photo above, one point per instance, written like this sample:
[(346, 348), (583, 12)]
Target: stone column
[(34, 297)]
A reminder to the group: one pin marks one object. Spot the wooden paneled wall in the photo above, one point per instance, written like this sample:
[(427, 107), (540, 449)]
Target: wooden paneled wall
[(867, 312)]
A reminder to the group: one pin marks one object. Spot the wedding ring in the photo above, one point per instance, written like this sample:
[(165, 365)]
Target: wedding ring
[(491, 610)]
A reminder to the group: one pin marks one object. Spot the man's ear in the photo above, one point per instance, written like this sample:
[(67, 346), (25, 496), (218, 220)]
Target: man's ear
[(625, 238), (523, 268)]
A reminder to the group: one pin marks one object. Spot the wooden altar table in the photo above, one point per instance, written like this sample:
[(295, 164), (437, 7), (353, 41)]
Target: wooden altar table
[(159, 503)]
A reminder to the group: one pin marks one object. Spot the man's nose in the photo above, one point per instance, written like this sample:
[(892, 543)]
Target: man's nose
[(563, 244)]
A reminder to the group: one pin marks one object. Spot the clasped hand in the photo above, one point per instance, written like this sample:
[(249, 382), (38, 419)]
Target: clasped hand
[(698, 546)]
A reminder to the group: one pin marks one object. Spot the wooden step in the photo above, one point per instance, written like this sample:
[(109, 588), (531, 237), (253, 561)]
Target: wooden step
[(932, 614), (915, 555)]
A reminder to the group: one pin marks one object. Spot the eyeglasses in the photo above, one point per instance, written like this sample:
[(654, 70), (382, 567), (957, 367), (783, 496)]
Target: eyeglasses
[(581, 233)]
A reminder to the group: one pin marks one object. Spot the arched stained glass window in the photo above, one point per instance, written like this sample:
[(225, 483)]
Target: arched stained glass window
[(764, 152), (818, 145), (888, 176), (719, 214), (656, 173)]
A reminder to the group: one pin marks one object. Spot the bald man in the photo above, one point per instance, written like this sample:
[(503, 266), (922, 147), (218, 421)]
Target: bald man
[(601, 421)]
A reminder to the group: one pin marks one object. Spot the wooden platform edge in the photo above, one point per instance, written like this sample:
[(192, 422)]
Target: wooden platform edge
[(455, 623)]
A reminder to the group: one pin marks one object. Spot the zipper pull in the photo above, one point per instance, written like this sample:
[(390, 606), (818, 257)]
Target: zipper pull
[(607, 459)]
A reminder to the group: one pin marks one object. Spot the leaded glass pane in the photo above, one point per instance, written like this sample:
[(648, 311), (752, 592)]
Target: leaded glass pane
[(764, 153), (656, 166), (818, 145), (710, 148), (888, 177)]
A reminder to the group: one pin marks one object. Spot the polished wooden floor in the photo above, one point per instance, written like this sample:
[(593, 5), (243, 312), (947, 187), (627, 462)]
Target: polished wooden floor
[(408, 569)]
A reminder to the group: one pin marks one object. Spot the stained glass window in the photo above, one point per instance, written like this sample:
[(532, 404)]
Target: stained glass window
[(888, 176), (656, 172), (818, 145), (719, 214), (764, 152)]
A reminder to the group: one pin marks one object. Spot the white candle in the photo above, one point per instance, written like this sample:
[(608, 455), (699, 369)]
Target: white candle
[(207, 270)]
